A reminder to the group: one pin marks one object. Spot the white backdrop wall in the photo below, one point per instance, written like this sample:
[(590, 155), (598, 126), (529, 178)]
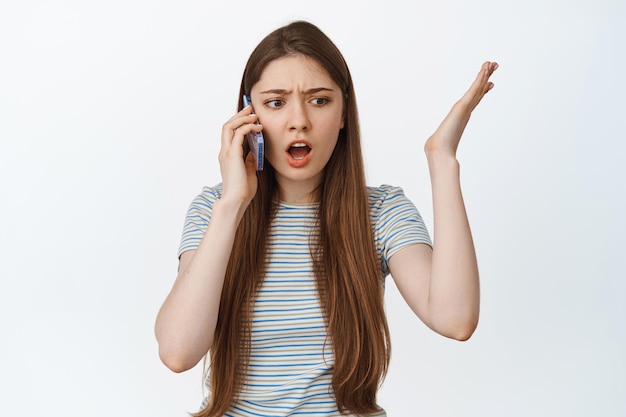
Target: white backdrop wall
[(110, 115)]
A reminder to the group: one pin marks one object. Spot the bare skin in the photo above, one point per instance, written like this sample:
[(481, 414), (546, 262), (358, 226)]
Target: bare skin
[(440, 285), (186, 322)]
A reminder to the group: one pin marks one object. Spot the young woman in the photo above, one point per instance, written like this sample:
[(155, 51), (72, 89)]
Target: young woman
[(281, 270)]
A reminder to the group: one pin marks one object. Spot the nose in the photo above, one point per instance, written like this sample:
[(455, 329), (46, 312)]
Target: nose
[(298, 116)]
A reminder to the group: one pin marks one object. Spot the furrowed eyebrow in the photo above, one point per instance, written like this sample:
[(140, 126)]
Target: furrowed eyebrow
[(280, 91)]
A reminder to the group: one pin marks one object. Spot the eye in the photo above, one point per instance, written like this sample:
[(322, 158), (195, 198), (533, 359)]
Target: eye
[(320, 101), (274, 104)]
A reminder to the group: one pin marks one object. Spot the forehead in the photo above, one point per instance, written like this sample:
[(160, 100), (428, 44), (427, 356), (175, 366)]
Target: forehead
[(295, 71)]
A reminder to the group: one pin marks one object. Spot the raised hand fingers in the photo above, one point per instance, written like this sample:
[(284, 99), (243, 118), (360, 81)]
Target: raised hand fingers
[(486, 71), (480, 86), (447, 136)]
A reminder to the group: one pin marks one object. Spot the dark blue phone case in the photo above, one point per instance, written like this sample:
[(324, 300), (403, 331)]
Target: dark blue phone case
[(255, 140)]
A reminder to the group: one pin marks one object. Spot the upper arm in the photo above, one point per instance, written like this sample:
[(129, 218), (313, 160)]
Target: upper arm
[(404, 246), (185, 259), (410, 268), (183, 264)]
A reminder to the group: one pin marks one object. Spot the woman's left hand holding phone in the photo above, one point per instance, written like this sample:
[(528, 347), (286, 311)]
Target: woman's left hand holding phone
[(238, 176)]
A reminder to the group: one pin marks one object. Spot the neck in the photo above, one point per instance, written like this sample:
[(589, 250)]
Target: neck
[(300, 192)]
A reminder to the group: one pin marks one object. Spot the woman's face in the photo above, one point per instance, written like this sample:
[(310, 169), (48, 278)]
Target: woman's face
[(301, 110)]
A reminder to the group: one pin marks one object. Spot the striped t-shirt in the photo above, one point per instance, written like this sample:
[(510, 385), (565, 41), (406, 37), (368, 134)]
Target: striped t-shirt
[(291, 360)]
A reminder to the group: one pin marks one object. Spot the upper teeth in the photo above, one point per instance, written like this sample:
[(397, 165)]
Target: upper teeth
[(299, 145)]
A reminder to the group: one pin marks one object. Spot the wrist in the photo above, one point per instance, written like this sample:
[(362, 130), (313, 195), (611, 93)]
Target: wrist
[(437, 157), (230, 209), (443, 168)]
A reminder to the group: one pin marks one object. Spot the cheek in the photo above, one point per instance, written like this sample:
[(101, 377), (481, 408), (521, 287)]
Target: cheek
[(332, 131), (271, 139), (270, 130), (273, 146)]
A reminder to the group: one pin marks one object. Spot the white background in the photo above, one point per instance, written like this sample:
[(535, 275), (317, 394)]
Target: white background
[(110, 114)]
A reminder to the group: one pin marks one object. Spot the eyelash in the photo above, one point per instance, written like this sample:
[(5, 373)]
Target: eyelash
[(326, 101), (269, 103), (272, 103)]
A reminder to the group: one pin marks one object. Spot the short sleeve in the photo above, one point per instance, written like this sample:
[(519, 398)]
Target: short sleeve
[(198, 218), (396, 221)]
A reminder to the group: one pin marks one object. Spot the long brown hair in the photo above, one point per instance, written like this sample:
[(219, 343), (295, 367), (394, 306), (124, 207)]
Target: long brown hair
[(347, 267)]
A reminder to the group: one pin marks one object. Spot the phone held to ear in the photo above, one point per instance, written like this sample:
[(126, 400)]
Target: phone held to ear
[(254, 140)]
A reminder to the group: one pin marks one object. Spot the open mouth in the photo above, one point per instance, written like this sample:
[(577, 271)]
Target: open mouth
[(299, 150)]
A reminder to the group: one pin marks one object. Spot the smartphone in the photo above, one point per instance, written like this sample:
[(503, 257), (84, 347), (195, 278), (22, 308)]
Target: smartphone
[(255, 140)]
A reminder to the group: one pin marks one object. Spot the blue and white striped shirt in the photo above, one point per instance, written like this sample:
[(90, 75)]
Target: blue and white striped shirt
[(291, 359)]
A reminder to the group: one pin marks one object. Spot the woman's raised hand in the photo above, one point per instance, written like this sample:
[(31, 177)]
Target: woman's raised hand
[(445, 140), (238, 176)]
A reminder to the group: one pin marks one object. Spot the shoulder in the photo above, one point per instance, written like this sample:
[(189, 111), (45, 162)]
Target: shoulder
[(210, 194), (201, 206), (204, 201), (382, 191), (384, 198), (394, 216)]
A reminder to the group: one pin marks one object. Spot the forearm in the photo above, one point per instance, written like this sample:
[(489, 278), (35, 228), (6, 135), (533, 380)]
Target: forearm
[(454, 295), (186, 322)]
